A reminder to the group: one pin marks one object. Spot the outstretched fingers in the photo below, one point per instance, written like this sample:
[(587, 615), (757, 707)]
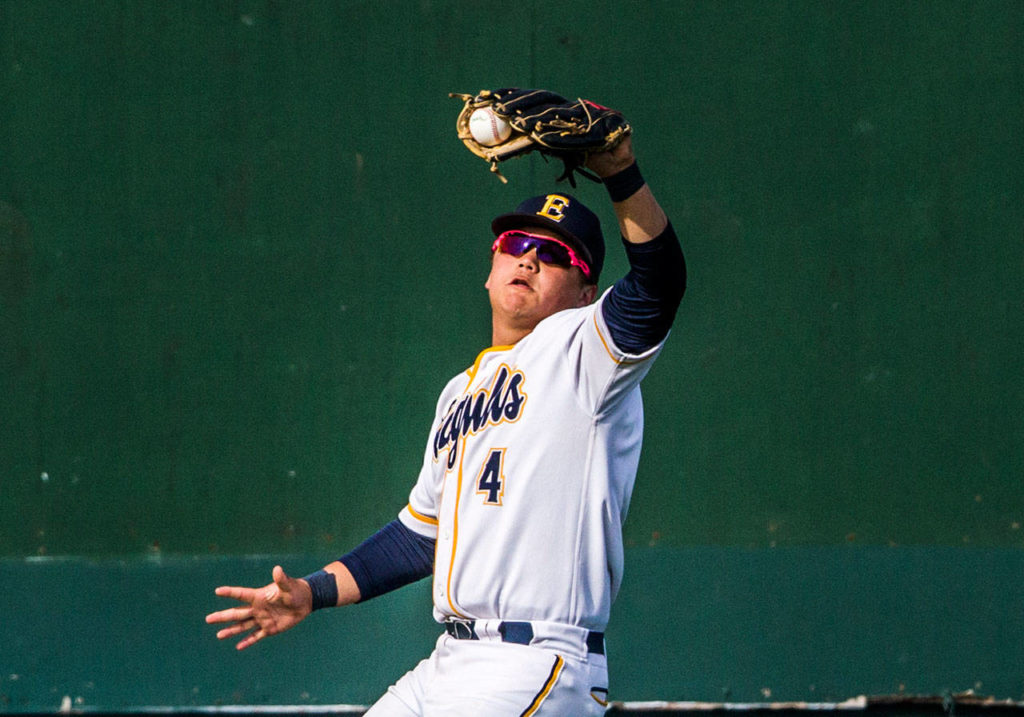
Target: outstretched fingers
[(242, 617), (236, 593), (251, 640), (237, 629), (243, 621), (232, 614), (265, 611)]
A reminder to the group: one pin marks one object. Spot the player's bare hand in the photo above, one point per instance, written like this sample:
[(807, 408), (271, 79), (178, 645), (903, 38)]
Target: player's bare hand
[(605, 164), (274, 608)]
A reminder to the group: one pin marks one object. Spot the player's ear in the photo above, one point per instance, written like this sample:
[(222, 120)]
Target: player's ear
[(587, 295)]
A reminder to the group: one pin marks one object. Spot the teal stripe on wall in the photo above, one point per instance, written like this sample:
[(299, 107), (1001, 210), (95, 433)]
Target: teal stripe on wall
[(694, 624)]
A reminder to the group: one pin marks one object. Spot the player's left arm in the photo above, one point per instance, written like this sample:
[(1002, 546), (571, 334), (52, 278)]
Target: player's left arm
[(642, 305)]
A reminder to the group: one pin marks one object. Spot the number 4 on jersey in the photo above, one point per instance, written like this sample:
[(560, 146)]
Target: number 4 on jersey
[(491, 483)]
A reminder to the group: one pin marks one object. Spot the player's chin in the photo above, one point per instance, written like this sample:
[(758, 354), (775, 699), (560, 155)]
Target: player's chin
[(517, 295), (520, 305)]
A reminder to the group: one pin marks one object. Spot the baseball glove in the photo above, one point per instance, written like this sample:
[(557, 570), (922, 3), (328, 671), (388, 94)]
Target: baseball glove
[(545, 122)]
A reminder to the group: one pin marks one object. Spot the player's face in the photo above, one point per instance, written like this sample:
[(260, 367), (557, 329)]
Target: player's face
[(524, 290)]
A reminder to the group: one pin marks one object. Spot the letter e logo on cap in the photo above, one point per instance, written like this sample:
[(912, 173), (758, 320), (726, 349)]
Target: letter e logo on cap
[(554, 207)]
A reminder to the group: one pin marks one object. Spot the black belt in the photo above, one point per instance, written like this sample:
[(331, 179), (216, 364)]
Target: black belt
[(521, 633)]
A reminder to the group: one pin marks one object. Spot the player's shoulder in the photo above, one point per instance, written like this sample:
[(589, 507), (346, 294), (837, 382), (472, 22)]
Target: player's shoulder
[(562, 321)]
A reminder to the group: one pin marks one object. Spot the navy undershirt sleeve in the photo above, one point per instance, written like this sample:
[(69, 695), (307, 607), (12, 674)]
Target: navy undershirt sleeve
[(390, 558), (641, 306)]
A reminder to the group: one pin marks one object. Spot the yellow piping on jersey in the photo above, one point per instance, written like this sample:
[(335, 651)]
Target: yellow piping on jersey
[(607, 348), (420, 517), (458, 485), (546, 689), (476, 364), (455, 531)]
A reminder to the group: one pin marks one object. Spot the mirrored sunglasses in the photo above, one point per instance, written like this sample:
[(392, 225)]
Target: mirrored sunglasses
[(550, 251)]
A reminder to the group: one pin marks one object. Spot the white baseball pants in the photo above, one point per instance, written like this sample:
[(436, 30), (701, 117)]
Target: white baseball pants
[(475, 678)]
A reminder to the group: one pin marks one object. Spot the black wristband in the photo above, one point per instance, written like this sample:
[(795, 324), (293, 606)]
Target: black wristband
[(324, 588), (624, 184)]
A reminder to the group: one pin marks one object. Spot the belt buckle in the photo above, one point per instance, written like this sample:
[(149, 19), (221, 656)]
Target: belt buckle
[(462, 629)]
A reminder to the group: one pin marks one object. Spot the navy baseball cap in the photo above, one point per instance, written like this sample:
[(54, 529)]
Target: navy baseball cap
[(566, 216)]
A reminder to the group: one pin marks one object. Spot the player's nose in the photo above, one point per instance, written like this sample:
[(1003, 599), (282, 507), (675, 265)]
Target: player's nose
[(530, 260)]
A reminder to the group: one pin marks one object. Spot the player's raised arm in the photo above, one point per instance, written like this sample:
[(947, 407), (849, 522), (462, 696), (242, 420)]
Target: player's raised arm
[(640, 216), (283, 603), (642, 305)]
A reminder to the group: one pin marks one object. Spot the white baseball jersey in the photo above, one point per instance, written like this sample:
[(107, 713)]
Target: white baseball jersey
[(528, 474)]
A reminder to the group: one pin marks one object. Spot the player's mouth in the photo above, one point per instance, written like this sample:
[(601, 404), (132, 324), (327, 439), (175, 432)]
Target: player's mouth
[(520, 282)]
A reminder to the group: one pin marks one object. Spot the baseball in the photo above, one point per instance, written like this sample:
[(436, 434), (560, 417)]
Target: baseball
[(488, 128)]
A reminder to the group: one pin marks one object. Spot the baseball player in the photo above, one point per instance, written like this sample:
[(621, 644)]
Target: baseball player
[(526, 478)]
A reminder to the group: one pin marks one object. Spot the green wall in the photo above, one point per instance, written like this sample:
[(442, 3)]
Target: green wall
[(241, 250)]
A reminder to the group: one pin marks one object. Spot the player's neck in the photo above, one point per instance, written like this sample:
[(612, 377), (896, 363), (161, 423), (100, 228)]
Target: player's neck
[(505, 335)]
